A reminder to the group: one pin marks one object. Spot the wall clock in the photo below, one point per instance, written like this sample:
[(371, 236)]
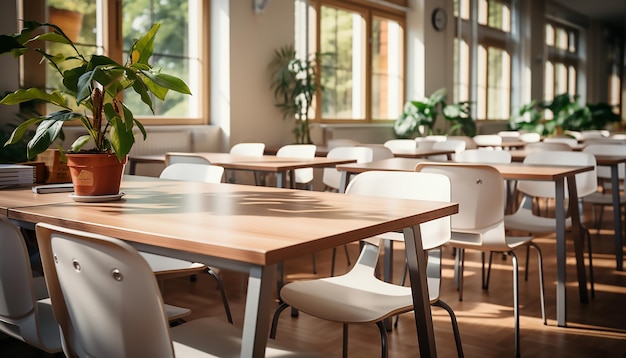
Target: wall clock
[(439, 19)]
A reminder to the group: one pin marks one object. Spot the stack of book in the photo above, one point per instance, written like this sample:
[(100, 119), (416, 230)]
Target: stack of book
[(12, 175)]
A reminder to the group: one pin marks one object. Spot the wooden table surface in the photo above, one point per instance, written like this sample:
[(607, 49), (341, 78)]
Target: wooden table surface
[(248, 228)]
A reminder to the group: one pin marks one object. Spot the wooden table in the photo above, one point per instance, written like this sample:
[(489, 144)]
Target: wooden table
[(266, 163), (517, 171), (245, 228), (612, 161), (422, 153)]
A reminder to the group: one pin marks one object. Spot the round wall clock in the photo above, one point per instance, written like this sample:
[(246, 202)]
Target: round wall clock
[(439, 19)]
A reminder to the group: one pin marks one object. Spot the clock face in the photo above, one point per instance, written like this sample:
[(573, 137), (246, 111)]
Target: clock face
[(439, 19)]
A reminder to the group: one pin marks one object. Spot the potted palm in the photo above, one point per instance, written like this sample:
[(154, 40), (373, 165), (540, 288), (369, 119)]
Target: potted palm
[(91, 93)]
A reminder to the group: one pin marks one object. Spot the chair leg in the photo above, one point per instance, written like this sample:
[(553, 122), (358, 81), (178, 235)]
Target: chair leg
[(461, 255), (405, 270), (345, 249), (485, 278), (587, 235), (516, 302), (332, 262), (384, 349), (455, 326), (541, 284), (345, 341), (526, 267), (313, 264), (220, 286), (277, 313)]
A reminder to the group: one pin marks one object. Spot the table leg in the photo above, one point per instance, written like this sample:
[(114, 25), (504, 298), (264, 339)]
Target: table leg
[(416, 259), (617, 215), (561, 311), (577, 232), (343, 184), (280, 179), (256, 318)]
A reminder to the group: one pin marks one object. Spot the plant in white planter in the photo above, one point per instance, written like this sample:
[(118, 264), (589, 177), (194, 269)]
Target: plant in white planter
[(91, 92)]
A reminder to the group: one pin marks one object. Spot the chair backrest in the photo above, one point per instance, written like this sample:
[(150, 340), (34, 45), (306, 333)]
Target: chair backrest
[(479, 190), (423, 143), (400, 144), (486, 140), (586, 183), (594, 133), (452, 144), (193, 159), (437, 138), (483, 156), (104, 295), (509, 134), (19, 312), (607, 149), (304, 175), (572, 142), (551, 146), (193, 172), (469, 142), (530, 137), (248, 149), (332, 177), (409, 185), (379, 151)]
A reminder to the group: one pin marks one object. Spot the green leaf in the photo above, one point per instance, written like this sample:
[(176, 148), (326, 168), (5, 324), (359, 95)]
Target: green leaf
[(80, 142), (21, 129), (46, 133), (121, 139), (168, 81), (25, 95), (71, 77), (157, 90), (144, 47), (52, 37), (9, 43)]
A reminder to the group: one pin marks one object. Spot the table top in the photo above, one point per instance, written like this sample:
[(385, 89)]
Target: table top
[(251, 224), (601, 159), (516, 171), (270, 163), (421, 153)]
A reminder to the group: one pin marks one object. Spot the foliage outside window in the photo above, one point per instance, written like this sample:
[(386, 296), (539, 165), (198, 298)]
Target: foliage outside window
[(177, 50), (561, 67), (362, 63)]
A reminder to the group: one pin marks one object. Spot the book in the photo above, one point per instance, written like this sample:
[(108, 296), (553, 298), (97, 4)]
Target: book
[(16, 175), (53, 188)]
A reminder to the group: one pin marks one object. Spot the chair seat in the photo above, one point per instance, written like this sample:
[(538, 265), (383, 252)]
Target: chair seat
[(210, 337), (475, 242), (174, 312), (49, 328), (168, 267), (524, 220), (599, 198), (350, 298)]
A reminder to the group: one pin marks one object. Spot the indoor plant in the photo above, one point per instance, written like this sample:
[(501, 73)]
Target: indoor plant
[(95, 84), (294, 83)]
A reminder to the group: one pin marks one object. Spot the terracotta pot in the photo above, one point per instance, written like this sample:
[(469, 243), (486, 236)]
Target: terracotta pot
[(95, 174)]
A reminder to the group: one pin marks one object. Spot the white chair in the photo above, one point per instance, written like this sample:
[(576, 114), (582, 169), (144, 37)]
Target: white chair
[(379, 152), (594, 133), (437, 138), (488, 140), (551, 146), (483, 156), (509, 134), (572, 142), (359, 296), (167, 267), (108, 304), (331, 177), (25, 310), (604, 198), (302, 176), (400, 144), (524, 219), (246, 149), (530, 137), (456, 145), (479, 224), (424, 144)]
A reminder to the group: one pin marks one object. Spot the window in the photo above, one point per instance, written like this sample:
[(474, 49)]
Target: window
[(178, 48), (361, 61), (562, 60), (482, 61)]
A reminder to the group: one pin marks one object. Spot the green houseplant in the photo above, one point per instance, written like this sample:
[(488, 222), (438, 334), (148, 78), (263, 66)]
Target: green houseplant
[(419, 117), (91, 92), (294, 82)]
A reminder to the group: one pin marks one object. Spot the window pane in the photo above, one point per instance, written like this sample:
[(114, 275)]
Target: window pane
[(572, 80), (462, 70), (481, 90), (561, 39), (499, 16), (549, 81), (172, 50), (387, 77), (560, 78), (342, 39), (499, 85), (549, 35)]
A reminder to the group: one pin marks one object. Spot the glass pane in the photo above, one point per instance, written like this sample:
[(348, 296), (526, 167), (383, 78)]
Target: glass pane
[(387, 76), (483, 9), (549, 35), (481, 90), (499, 16), (462, 70), (572, 41), (172, 51), (499, 84), (561, 39), (549, 81), (462, 8), (572, 80), (342, 42), (560, 78)]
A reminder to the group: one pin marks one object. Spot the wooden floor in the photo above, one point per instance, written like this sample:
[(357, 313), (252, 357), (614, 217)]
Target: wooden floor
[(596, 329)]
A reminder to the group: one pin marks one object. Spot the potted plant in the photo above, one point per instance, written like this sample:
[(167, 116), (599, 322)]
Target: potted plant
[(95, 85), (294, 83), (418, 117)]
